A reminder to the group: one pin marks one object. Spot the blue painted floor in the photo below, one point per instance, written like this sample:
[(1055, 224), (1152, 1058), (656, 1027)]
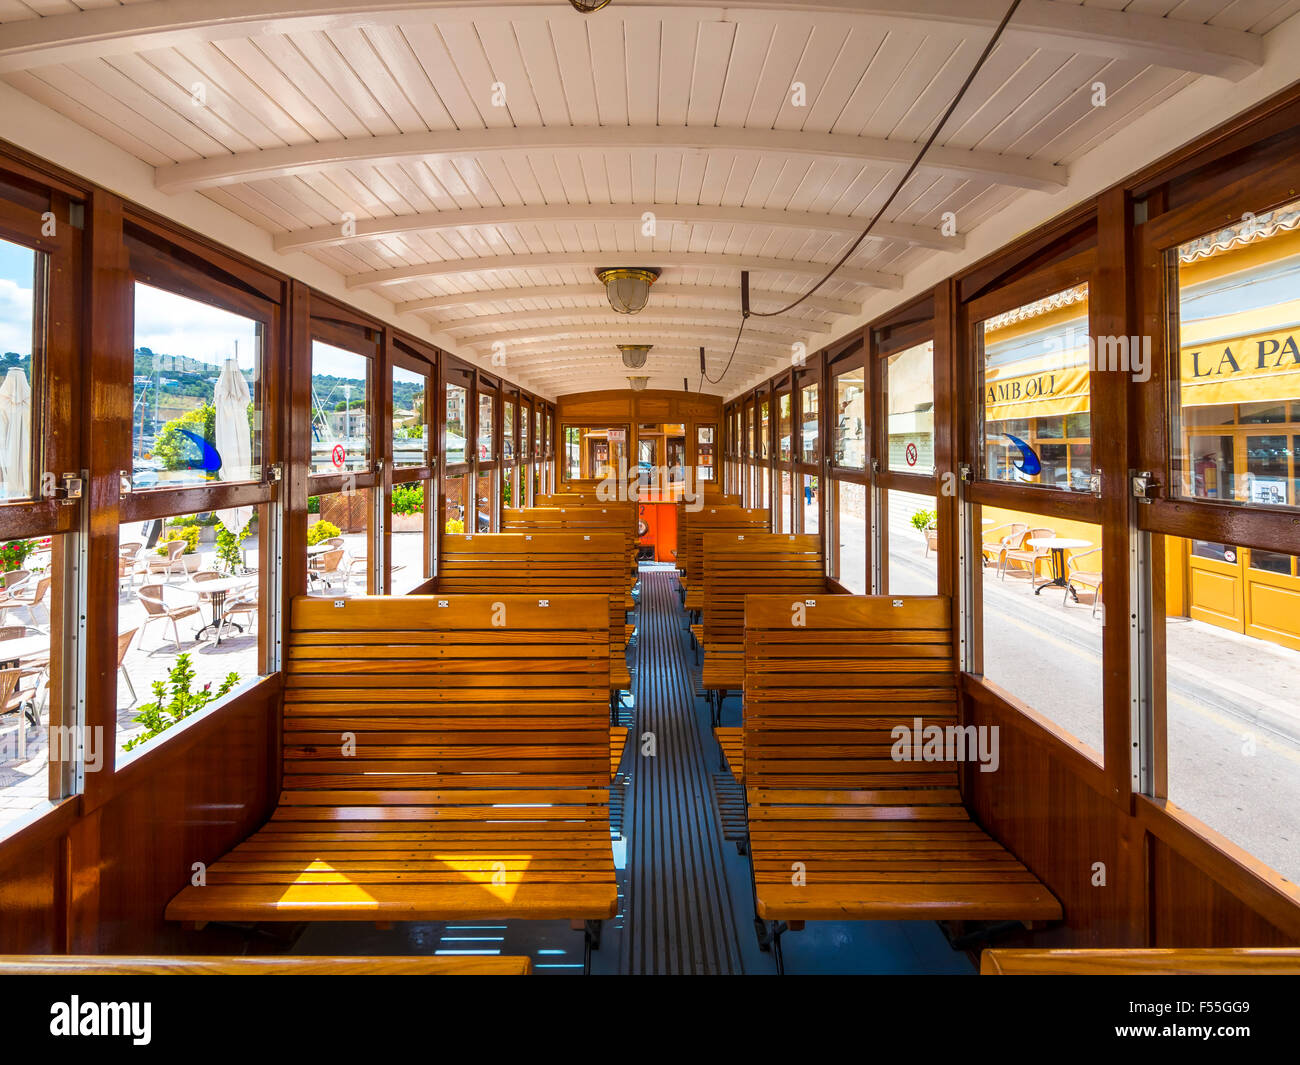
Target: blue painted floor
[(672, 939)]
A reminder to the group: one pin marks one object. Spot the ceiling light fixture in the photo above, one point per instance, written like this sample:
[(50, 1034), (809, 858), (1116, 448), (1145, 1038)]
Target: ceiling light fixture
[(588, 6), (627, 287), (638, 383), (635, 355)]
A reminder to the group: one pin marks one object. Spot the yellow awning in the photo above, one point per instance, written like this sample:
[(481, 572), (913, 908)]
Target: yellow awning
[(1258, 367), (1042, 394)]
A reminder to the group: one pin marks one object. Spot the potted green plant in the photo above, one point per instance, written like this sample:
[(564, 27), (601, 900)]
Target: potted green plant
[(173, 701), (408, 507)]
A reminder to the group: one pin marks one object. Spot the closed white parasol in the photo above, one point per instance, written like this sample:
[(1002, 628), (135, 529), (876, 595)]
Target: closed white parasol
[(231, 399), (16, 435)]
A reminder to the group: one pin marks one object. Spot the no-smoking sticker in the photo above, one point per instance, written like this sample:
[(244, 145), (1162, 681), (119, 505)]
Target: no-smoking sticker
[(911, 454), (339, 456)]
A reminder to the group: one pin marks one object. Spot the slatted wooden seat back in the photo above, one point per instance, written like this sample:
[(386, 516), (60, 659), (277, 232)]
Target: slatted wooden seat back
[(445, 757), (826, 680), (604, 517), (692, 524), (1155, 961), (260, 965), (849, 818), (739, 564), (446, 691), (542, 564)]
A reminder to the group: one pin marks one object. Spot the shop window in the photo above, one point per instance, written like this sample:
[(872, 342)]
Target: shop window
[(1035, 383)]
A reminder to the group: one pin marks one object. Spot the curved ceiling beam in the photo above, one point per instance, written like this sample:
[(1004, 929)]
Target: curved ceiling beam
[(610, 320), (259, 165), (631, 333), (592, 260), (666, 215), (1052, 26), (759, 351), (659, 362), (724, 295)]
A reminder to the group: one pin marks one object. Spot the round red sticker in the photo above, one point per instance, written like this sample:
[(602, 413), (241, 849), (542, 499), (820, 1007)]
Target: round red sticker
[(911, 454), (338, 456)]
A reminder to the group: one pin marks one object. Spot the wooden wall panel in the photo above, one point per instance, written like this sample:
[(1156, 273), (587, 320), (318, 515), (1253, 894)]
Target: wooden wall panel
[(192, 805), (30, 895), (1060, 827), (1192, 910)]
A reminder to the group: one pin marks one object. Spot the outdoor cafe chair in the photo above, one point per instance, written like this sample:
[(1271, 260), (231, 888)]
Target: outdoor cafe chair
[(156, 609), (1027, 554), (1090, 578), (995, 550)]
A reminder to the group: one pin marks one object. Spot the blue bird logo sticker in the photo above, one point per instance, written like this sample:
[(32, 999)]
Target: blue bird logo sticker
[(1028, 464)]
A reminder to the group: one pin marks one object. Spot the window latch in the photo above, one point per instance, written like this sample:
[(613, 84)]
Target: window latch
[(964, 471), (275, 473), (69, 491), (1144, 486)]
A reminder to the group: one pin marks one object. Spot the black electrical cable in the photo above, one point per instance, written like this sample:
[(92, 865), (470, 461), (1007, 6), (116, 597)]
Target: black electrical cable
[(916, 162)]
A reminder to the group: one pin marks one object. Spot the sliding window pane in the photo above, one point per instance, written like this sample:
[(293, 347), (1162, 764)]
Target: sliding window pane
[(705, 449), (764, 429), (197, 411), (912, 561), (409, 569), (810, 419), (787, 510), (508, 432), (28, 592), (850, 421), (909, 391), (338, 543), (1035, 380), (188, 616), (1232, 688), (784, 427), (18, 344), (483, 504), (340, 406), (454, 517), (410, 426), (1237, 400), (486, 429), (851, 523), (455, 424), (810, 491), (1042, 616)]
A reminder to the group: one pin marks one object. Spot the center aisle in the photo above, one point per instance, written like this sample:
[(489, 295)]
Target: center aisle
[(678, 907)]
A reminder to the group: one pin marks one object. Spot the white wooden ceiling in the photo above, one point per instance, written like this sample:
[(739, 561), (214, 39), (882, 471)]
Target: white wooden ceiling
[(309, 117)]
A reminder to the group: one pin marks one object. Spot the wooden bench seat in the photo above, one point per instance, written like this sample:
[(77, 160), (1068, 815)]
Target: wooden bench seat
[(617, 744), (445, 758), (731, 742), (540, 564), (252, 965), (1209, 961), (739, 564), (870, 836)]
